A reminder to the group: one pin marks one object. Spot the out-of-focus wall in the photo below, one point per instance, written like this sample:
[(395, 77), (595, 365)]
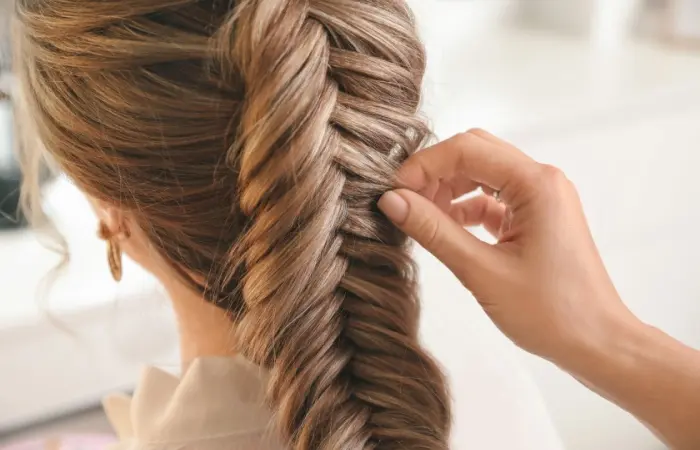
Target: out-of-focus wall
[(617, 112), (605, 22), (570, 17)]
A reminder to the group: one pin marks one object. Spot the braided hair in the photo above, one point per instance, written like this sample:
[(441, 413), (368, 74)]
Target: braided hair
[(250, 142)]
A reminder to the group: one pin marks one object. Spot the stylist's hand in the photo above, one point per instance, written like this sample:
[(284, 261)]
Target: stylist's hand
[(543, 284)]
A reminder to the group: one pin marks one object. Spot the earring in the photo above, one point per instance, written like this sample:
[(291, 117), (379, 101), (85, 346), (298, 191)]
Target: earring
[(114, 250)]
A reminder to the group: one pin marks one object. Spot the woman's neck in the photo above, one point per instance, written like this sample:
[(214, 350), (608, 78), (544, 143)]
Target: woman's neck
[(205, 330)]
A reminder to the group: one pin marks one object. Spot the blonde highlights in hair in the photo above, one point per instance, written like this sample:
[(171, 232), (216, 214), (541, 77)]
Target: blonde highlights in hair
[(250, 142)]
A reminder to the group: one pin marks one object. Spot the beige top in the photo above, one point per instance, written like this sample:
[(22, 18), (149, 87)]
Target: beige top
[(218, 405)]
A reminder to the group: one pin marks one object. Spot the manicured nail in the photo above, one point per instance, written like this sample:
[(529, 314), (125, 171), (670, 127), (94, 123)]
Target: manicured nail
[(394, 207)]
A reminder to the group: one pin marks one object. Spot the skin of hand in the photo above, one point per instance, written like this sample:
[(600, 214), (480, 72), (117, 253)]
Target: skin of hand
[(543, 283)]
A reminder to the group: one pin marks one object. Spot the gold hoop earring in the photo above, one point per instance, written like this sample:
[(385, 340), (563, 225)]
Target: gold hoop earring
[(114, 250)]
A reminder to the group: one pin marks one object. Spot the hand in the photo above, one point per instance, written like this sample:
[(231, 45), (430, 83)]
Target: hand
[(543, 284)]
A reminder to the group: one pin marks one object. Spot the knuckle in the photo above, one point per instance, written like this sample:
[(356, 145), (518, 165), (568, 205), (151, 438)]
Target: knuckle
[(477, 132), (429, 230), (466, 138), (553, 177), (551, 171)]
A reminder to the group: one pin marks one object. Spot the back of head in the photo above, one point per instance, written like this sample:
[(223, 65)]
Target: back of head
[(250, 142)]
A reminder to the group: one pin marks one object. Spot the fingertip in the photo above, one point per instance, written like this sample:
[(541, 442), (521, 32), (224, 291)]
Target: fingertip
[(434, 230), (394, 206)]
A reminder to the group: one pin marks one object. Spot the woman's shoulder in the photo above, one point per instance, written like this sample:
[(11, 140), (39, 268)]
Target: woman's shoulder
[(218, 403)]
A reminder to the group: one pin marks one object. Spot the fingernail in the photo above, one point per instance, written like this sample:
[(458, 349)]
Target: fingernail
[(394, 207)]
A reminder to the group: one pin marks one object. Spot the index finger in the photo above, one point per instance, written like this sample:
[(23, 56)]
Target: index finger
[(476, 155)]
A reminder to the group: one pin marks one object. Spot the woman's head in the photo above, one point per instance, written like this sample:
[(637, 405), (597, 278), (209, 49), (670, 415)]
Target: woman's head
[(247, 142)]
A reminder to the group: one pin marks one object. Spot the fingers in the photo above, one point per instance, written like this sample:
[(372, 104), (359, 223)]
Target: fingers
[(436, 231), (443, 192), (490, 137), (483, 210), (476, 156)]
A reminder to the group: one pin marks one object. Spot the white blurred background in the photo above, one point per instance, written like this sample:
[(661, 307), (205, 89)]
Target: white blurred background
[(609, 90)]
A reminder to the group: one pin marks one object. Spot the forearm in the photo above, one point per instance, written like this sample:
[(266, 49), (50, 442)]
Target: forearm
[(649, 374)]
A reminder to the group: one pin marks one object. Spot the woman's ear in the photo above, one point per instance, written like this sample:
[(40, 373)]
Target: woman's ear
[(114, 219), (132, 240)]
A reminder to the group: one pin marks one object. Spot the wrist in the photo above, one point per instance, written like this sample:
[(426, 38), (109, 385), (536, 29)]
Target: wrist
[(613, 340), (647, 373)]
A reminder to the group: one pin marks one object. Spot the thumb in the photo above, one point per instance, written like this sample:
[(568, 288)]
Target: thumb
[(436, 231)]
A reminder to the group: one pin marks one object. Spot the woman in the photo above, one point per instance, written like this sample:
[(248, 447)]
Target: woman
[(238, 155)]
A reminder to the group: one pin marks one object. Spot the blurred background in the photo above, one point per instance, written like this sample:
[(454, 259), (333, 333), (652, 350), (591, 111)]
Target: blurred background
[(609, 90)]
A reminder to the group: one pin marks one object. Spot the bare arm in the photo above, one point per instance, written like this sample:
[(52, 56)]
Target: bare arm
[(649, 374), (544, 283)]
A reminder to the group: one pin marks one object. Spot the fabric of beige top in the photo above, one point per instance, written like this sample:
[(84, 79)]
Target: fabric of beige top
[(218, 404)]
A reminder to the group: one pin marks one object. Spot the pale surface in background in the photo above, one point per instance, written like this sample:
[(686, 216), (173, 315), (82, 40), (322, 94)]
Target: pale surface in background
[(622, 122), (68, 338)]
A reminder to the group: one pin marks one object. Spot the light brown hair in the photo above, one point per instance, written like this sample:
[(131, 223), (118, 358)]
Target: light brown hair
[(251, 142)]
